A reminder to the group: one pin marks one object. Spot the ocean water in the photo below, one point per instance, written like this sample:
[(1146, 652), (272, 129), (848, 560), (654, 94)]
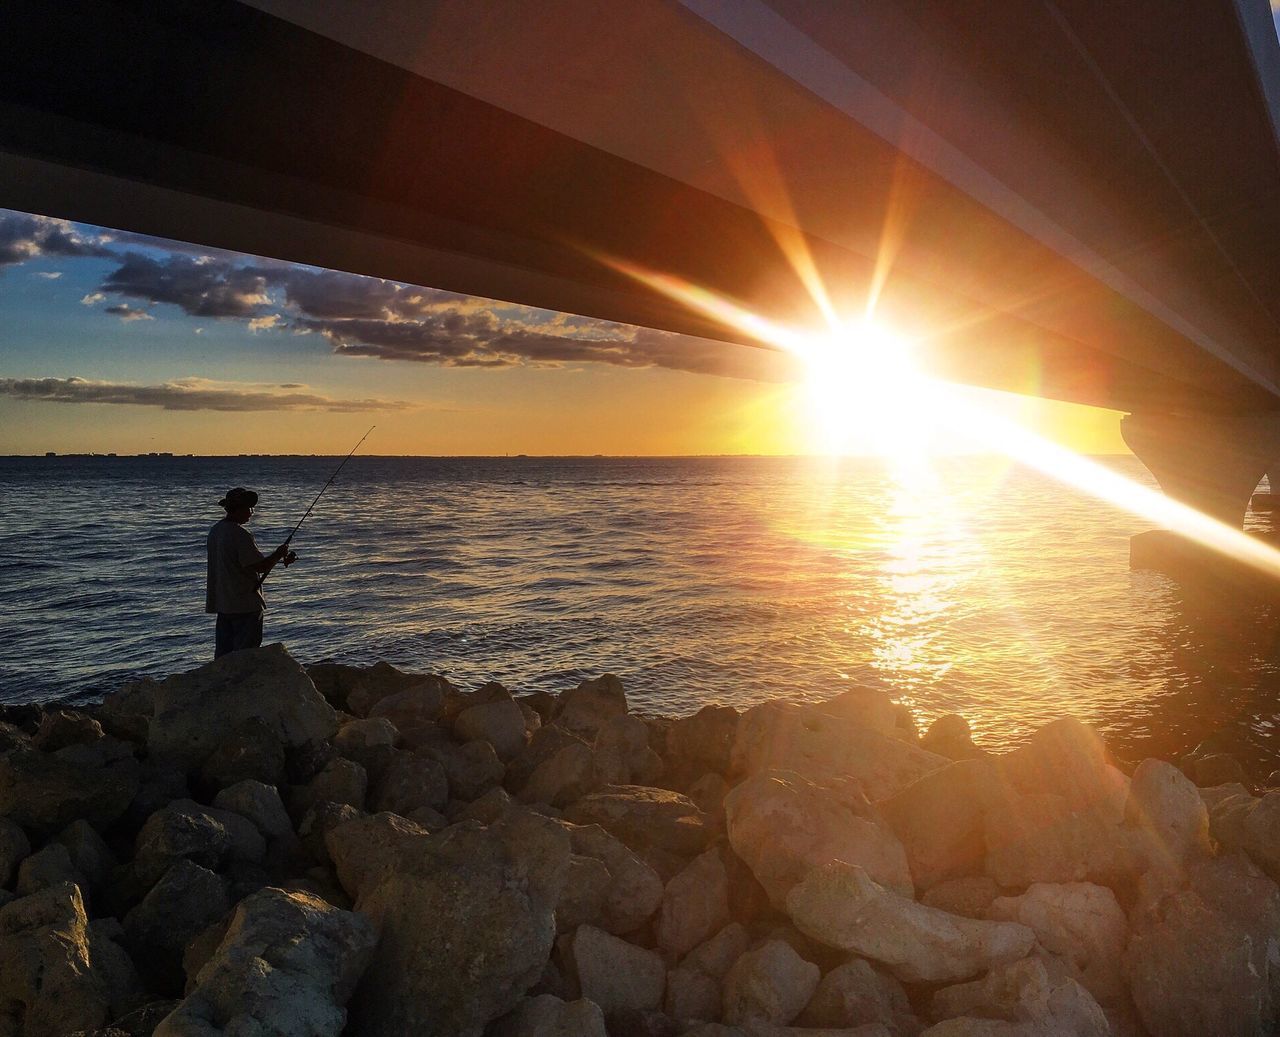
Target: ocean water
[(972, 586)]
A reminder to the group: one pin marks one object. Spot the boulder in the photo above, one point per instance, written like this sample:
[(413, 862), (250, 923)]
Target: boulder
[(548, 1016), (45, 792), (492, 890), (1166, 803), (1215, 769), (90, 855), (184, 830), (487, 809), (340, 781), (563, 778), (50, 866), (185, 901), (644, 817), (382, 680), (50, 984), (858, 994), (260, 804), (411, 781), (1082, 924), (363, 849), (939, 820), (970, 896), (771, 984), (1025, 998), (704, 741), (1067, 758), (1240, 822), (784, 826), (363, 733), (820, 746), (695, 905), (250, 752), (843, 907), (418, 705), (1037, 837), (126, 712), (318, 821), (286, 966), (593, 702), (616, 974), (60, 728), (622, 753), (196, 711), (14, 847), (500, 723), (543, 745), (635, 890), (472, 769), (335, 681), (694, 988), (951, 737), (585, 889)]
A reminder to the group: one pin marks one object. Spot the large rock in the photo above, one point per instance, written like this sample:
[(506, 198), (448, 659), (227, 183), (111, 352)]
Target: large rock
[(415, 706), (491, 890), (50, 985), (261, 804), (286, 966), (472, 769), (1240, 822), (642, 817), (186, 900), (1164, 801), (1205, 958), (635, 889), (548, 1016), (1025, 999), (694, 988), (695, 905), (499, 722), (44, 792), (939, 820), (820, 746), (89, 853), (1068, 758), (363, 849), (252, 751), (207, 836), (543, 744), (770, 984), (563, 778), (14, 846), (585, 888), (623, 755), (615, 974), (196, 711), (339, 781), (784, 826), (1082, 924), (591, 704), (1038, 837), (62, 727), (704, 741), (409, 782), (382, 680), (858, 994), (365, 732), (49, 866), (843, 907)]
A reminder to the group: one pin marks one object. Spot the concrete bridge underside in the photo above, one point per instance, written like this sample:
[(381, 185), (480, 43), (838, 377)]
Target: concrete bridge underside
[(1078, 199)]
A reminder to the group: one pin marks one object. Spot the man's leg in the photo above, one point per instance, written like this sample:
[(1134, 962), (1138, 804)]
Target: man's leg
[(243, 630), (253, 630), (223, 635)]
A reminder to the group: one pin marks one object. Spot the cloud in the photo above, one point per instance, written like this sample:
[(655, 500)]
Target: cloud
[(271, 320), (186, 394), (24, 237), (128, 313), (200, 287), (92, 298), (49, 275)]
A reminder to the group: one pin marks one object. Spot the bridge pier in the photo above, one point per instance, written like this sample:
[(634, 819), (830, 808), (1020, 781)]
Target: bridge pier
[(1211, 462)]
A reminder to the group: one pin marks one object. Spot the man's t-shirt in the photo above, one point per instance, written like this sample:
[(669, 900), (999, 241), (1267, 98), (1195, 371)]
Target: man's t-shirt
[(231, 588)]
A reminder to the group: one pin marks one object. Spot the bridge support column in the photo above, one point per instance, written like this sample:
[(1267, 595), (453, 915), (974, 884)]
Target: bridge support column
[(1211, 462)]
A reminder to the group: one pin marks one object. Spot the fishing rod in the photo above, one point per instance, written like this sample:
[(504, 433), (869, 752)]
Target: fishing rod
[(327, 484)]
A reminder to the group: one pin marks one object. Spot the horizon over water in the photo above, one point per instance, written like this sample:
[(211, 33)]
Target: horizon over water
[(971, 586)]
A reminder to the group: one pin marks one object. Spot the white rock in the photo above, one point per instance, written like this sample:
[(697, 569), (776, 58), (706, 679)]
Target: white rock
[(616, 974), (770, 984)]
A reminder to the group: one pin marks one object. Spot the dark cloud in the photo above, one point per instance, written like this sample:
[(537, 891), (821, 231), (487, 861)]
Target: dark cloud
[(187, 394), (24, 237), (200, 287)]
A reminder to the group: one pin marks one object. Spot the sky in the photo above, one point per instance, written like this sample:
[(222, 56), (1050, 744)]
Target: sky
[(115, 342)]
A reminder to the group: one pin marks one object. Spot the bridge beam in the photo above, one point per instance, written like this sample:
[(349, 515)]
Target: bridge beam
[(1211, 462)]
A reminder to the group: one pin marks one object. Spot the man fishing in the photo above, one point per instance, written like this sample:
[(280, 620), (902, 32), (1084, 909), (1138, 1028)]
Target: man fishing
[(236, 572)]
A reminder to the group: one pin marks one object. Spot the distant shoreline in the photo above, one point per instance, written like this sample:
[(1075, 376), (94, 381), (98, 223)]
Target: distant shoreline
[(165, 456)]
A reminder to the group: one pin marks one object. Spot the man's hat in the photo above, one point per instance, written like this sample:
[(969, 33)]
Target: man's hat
[(239, 498)]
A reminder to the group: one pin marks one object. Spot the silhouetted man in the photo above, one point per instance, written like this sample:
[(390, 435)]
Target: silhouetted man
[(236, 571)]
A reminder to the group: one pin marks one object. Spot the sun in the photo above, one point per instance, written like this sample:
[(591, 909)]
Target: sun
[(864, 393)]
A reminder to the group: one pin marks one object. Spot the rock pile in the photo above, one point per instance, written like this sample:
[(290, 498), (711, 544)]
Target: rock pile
[(257, 847)]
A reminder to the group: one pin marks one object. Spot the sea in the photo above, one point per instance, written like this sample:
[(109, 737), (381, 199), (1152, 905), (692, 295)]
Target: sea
[(967, 586)]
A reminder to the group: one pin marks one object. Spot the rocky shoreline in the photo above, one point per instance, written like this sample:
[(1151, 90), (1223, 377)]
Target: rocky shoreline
[(261, 848)]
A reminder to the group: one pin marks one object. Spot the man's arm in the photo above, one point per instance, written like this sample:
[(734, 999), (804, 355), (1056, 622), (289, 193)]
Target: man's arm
[(266, 564)]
